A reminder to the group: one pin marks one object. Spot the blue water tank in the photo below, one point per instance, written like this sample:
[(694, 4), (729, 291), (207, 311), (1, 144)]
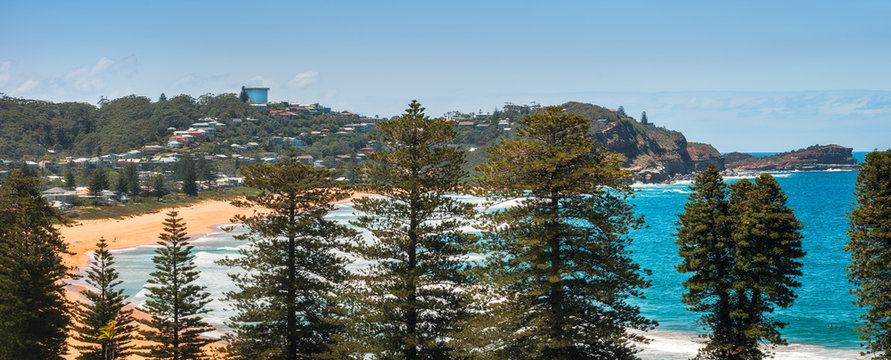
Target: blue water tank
[(257, 95)]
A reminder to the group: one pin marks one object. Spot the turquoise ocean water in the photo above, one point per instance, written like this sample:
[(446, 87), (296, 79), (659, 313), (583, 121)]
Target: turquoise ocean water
[(821, 321)]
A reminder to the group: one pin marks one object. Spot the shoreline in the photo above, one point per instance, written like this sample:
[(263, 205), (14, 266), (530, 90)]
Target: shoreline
[(201, 219), (735, 174)]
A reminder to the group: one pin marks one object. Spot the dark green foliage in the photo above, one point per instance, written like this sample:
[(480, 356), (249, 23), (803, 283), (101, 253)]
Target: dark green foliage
[(121, 184), (186, 171), (162, 98), (870, 249), (704, 238), (30, 127), (621, 111), (204, 171), (243, 96), (743, 248), (28, 170), (98, 181), (105, 306), (70, 182), (406, 303), (558, 275), (643, 118), (131, 176), (175, 302), (159, 187), (291, 266), (34, 314)]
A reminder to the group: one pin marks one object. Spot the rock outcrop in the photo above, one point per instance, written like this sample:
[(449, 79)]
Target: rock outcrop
[(703, 155), (814, 158), (654, 154), (659, 155)]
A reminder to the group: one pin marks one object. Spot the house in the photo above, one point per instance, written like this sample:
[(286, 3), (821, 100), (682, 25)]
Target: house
[(306, 159), (105, 195), (49, 165), (269, 157), (58, 194), (466, 124), (152, 149), (132, 154)]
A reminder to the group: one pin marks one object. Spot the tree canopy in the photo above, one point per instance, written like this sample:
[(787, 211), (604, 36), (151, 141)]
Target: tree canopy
[(870, 250), (557, 277)]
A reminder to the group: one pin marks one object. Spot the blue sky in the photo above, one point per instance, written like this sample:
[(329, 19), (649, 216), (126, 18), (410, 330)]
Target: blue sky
[(744, 76)]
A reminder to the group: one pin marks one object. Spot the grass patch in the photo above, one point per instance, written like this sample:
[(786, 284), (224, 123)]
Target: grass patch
[(149, 204)]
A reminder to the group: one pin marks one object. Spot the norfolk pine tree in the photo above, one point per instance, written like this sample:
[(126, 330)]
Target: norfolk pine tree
[(159, 187), (175, 303), (407, 302), (704, 241), (105, 306), (766, 242), (743, 248), (98, 182), (70, 182), (291, 267), (558, 268), (131, 174), (870, 249), (187, 172), (34, 314)]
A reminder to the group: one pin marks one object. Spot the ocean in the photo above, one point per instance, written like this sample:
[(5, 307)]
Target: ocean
[(821, 321)]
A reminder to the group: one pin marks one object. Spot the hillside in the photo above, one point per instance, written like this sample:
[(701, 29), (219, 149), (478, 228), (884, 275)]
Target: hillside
[(653, 153), (30, 129)]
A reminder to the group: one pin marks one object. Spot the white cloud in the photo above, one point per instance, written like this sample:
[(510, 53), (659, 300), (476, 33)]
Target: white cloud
[(26, 86), (182, 81), (4, 72), (93, 77), (303, 80), (259, 81)]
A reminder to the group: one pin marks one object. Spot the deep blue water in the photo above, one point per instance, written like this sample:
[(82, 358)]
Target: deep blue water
[(822, 315)]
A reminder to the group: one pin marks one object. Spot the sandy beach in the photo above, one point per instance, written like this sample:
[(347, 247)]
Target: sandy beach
[(200, 218), (143, 229)]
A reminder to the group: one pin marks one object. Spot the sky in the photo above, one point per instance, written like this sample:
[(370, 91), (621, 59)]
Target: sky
[(741, 75)]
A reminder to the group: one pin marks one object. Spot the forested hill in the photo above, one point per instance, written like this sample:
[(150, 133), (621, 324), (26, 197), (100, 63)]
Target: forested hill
[(32, 127)]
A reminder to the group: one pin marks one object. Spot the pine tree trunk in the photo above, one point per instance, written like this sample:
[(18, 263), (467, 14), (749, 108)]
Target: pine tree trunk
[(292, 291), (556, 297), (412, 316)]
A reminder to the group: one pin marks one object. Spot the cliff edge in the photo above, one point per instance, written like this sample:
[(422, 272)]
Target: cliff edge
[(653, 154)]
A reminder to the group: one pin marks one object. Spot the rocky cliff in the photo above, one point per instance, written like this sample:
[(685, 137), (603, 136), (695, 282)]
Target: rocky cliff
[(654, 154), (703, 155), (658, 155), (817, 157)]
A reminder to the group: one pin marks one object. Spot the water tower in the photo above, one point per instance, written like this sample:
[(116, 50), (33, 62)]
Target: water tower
[(257, 95)]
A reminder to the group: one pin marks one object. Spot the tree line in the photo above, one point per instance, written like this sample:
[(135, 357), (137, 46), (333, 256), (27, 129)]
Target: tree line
[(549, 276)]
